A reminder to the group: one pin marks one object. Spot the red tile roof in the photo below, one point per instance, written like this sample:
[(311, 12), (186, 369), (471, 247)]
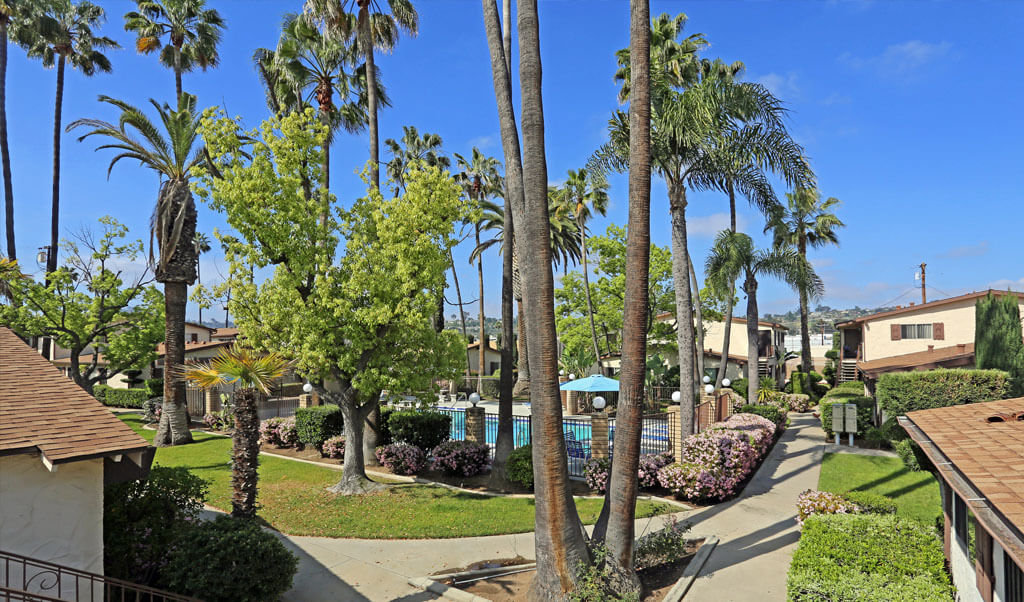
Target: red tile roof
[(42, 411)]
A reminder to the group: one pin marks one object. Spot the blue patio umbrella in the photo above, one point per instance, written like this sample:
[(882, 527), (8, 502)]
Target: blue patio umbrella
[(594, 383)]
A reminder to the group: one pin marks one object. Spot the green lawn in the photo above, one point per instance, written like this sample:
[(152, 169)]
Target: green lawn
[(916, 493), (294, 501)]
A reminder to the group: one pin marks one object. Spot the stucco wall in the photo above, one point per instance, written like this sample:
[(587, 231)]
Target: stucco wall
[(53, 516), (489, 356), (957, 318)]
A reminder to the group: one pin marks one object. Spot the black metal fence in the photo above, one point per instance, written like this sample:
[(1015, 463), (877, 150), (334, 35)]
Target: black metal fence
[(196, 399), (655, 437), (277, 407)]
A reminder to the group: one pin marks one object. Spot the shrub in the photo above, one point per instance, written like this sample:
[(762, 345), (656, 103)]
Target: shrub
[(711, 465), (279, 431), (318, 424), (867, 558), (662, 546), (799, 382), (913, 457), (740, 387), (120, 398), (812, 502), (871, 503), (401, 458), (865, 410), (892, 431), (798, 402), (154, 387), (595, 471), (461, 458), (902, 392), (152, 408), (230, 559), (334, 448), (383, 429), (425, 430), (851, 386), (761, 430), (519, 466), (142, 521), (650, 464), (213, 421), (777, 416)]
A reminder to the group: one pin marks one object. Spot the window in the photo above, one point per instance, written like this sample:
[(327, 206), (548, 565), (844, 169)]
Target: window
[(960, 518), (1014, 579), (193, 338), (915, 331)]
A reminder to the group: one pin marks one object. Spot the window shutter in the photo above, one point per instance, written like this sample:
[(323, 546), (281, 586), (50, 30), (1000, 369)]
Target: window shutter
[(894, 330), (939, 331), (983, 563)]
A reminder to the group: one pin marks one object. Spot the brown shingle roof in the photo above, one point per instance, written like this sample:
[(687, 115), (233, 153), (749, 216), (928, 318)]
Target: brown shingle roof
[(224, 333), (161, 349), (42, 410), (932, 358), (929, 305), (988, 455)]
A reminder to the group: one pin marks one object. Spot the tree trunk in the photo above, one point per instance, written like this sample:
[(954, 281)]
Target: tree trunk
[(483, 331), (724, 364), (51, 259), (506, 36), (750, 288), (684, 307), (353, 474), (177, 73), (174, 428), (245, 454), (505, 441), (371, 95), (522, 385), (560, 547), (622, 490), (199, 282), (805, 332), (698, 314), (462, 315), (5, 150), (586, 290), (371, 435)]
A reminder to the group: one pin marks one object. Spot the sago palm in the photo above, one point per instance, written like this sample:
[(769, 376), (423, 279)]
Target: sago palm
[(172, 151), (65, 36), (252, 374), (806, 221), (192, 32), (734, 254)]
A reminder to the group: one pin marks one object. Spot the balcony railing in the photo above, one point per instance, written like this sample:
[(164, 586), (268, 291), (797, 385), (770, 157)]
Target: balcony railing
[(24, 578)]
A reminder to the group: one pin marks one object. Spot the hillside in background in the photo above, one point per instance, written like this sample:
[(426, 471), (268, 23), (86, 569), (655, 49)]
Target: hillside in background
[(821, 314)]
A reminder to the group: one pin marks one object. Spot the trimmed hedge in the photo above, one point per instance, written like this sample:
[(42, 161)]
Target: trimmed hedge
[(867, 558), (120, 398), (865, 410), (155, 387), (318, 424), (519, 466), (425, 430), (902, 392), (773, 413)]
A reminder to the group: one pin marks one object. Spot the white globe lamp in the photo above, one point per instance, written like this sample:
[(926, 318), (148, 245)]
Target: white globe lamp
[(707, 379), (676, 396), (726, 382), (709, 389), (474, 398), (572, 377), (307, 388), (599, 403)]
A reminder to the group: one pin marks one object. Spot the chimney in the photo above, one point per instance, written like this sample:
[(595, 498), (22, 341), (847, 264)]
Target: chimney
[(931, 347), (962, 346), (899, 307), (911, 304)]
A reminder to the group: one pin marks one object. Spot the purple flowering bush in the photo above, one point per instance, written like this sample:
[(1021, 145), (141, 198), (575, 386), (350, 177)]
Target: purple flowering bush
[(461, 458), (760, 429), (401, 458), (650, 464), (213, 421), (334, 447), (279, 431), (822, 502), (595, 471)]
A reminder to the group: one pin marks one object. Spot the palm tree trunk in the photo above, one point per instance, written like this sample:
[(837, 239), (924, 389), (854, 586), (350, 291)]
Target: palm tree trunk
[(371, 94), (805, 332), (753, 379), (174, 428), (462, 315), (724, 364), (483, 331), (245, 456), (506, 32), (5, 150), (505, 440), (353, 474), (586, 290), (622, 490), (199, 282), (522, 347), (560, 548), (51, 259), (684, 307), (177, 73), (698, 314)]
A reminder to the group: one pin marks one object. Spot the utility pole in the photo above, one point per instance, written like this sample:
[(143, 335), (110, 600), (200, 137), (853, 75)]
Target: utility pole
[(924, 296)]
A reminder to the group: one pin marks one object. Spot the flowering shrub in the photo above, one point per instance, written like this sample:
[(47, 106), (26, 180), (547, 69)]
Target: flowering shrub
[(461, 458), (662, 546), (822, 502), (401, 458), (279, 431), (650, 464), (595, 471), (334, 447), (760, 429), (213, 421), (798, 402)]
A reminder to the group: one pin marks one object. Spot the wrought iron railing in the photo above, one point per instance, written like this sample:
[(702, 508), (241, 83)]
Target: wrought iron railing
[(27, 579)]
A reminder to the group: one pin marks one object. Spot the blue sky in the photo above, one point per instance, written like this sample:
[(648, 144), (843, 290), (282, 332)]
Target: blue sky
[(909, 111)]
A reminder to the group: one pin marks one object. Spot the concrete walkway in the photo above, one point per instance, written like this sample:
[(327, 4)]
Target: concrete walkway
[(758, 530)]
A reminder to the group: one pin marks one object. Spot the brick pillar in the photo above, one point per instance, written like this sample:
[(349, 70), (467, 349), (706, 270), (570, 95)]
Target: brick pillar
[(675, 432), (305, 401), (212, 400), (599, 435), (476, 420)]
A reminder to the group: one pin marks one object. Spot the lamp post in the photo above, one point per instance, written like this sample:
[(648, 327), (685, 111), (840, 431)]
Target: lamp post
[(307, 388), (726, 382), (474, 398), (599, 403), (709, 389)]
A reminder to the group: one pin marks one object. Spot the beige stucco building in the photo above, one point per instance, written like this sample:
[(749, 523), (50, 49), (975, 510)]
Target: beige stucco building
[(492, 358), (915, 337), (771, 337)]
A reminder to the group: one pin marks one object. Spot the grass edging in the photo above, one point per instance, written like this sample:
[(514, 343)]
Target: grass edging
[(692, 570)]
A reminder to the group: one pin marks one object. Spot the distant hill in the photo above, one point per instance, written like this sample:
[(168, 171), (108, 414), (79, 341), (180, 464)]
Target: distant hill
[(817, 315)]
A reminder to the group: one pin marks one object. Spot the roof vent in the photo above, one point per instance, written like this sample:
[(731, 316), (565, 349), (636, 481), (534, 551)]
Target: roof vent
[(1006, 417)]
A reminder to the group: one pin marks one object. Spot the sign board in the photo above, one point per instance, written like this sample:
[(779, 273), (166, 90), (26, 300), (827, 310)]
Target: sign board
[(844, 418), (851, 417)]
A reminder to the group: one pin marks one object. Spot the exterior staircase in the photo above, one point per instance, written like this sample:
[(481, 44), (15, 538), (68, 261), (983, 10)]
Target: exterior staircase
[(847, 371)]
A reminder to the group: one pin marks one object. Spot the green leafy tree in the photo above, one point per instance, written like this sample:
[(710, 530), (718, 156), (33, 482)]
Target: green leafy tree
[(998, 341), (64, 36), (192, 32), (90, 303), (805, 222), (173, 153), (350, 300)]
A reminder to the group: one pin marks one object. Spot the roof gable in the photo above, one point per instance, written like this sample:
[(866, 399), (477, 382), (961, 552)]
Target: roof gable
[(925, 306)]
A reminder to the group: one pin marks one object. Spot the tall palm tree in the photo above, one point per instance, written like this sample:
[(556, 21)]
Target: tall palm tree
[(583, 194), (253, 374), (192, 31), (371, 28), (411, 148), (806, 221), (733, 255), (65, 36), (172, 151), (202, 245), (480, 179)]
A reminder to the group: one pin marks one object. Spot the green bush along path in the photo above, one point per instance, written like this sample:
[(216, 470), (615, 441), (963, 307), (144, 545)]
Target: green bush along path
[(293, 499)]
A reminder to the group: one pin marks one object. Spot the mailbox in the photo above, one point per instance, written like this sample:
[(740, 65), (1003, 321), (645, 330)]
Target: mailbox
[(850, 411), (838, 418)]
